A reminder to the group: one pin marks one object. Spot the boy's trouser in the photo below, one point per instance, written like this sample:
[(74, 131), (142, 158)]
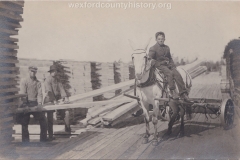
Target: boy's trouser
[(171, 75)]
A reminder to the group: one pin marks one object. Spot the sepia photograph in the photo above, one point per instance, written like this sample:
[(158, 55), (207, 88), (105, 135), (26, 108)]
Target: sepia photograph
[(113, 79)]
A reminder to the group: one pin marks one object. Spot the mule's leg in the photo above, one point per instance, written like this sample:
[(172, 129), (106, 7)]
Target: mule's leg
[(175, 109), (182, 112), (155, 121), (146, 119), (147, 134)]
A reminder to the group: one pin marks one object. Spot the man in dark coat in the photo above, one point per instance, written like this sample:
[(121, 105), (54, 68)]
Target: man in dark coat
[(55, 89), (32, 87), (164, 62)]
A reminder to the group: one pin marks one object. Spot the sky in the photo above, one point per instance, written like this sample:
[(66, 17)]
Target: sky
[(53, 30)]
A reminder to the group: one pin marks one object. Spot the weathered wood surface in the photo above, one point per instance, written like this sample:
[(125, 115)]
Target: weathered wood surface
[(204, 138), (70, 106)]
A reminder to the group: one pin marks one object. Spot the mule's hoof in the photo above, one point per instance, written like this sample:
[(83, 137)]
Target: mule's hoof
[(154, 142), (144, 140)]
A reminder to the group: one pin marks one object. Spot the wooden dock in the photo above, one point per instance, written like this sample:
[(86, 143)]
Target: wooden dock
[(204, 138)]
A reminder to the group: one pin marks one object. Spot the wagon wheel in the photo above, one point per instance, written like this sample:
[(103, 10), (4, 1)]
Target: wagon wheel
[(227, 113)]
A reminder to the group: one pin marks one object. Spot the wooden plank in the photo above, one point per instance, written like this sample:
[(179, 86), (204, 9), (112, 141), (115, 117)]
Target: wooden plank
[(9, 69), (112, 151), (8, 61), (8, 76), (7, 31), (69, 106), (96, 112), (6, 120), (119, 111), (101, 91), (13, 17), (14, 9), (110, 144), (9, 90), (217, 138), (202, 138), (8, 39), (69, 145), (7, 127), (192, 66), (162, 150), (11, 53), (9, 46), (3, 105), (19, 3), (8, 83), (124, 116), (11, 24), (89, 152), (11, 97), (186, 147), (138, 148), (128, 145), (84, 149)]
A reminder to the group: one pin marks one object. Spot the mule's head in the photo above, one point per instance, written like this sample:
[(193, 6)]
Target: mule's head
[(140, 60)]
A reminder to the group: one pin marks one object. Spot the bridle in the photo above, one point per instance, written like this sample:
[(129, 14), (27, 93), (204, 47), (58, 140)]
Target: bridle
[(146, 60)]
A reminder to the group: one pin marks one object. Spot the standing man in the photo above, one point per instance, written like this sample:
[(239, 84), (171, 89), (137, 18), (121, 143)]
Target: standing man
[(32, 87), (164, 62), (55, 91)]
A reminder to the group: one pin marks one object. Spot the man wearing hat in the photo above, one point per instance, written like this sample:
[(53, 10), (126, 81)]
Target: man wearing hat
[(32, 87), (55, 91)]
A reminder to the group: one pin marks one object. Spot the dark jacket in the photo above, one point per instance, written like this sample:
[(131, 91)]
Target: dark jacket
[(55, 87), (161, 54)]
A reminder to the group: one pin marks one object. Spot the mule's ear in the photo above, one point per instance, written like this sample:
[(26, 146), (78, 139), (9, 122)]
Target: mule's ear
[(133, 46), (146, 46)]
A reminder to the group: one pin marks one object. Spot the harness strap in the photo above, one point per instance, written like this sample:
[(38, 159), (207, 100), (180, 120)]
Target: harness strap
[(150, 81)]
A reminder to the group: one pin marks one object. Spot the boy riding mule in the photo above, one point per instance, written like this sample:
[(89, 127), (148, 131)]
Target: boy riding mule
[(164, 62), (151, 87)]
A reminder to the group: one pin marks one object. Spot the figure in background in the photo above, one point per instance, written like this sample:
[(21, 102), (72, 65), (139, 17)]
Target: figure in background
[(55, 91), (32, 87)]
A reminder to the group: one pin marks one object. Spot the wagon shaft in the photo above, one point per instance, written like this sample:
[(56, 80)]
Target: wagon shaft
[(208, 108)]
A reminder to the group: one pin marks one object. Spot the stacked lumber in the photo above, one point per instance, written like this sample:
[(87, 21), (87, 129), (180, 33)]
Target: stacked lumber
[(111, 113), (122, 73), (79, 76), (98, 110), (102, 75), (198, 71), (76, 78), (10, 16), (195, 69)]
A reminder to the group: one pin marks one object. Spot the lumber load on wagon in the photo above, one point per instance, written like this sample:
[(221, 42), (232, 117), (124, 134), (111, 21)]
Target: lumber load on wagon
[(198, 71), (195, 69)]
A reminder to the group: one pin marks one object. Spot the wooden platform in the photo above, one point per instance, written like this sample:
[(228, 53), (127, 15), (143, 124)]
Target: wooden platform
[(204, 138)]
